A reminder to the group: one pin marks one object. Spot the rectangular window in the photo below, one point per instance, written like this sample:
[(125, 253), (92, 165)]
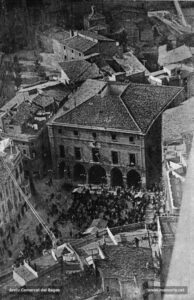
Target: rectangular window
[(24, 151), (114, 136), (115, 157), (95, 154), (77, 151), (132, 160), (75, 132), (131, 139), (94, 135), (62, 151), (60, 131)]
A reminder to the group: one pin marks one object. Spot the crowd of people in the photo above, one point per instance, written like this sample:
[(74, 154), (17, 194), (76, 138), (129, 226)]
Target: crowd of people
[(124, 206), (118, 207)]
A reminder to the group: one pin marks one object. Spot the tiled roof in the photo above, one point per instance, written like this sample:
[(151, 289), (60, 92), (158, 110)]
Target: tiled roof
[(87, 90), (24, 112), (43, 100), (80, 70), (96, 36), (105, 112), (123, 261), (178, 120), (146, 101), (17, 100), (24, 273), (80, 44), (58, 93)]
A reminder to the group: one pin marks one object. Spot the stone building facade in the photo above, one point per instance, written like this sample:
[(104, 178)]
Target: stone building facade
[(11, 200), (113, 138)]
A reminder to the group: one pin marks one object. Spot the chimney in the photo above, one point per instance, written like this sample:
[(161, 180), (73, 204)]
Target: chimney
[(92, 11)]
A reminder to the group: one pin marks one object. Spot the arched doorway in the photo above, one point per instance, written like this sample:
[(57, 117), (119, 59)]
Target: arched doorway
[(79, 173), (62, 169), (116, 177), (133, 179), (97, 175)]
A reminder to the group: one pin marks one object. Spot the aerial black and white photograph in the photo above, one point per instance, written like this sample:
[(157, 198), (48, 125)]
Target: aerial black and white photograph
[(96, 150)]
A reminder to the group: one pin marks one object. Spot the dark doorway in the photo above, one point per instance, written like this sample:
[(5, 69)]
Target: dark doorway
[(79, 173), (133, 179), (116, 177), (62, 169), (97, 175)]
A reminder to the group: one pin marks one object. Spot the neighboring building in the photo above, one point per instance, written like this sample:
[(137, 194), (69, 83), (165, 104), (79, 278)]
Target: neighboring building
[(177, 55), (53, 41), (87, 90), (11, 201), (177, 137), (168, 226), (114, 137), (84, 43), (107, 47), (87, 262), (159, 78), (94, 19), (127, 270), (24, 120), (77, 71), (131, 66)]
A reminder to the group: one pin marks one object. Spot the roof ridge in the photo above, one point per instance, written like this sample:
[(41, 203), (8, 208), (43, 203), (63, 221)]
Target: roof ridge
[(80, 104), (129, 111)]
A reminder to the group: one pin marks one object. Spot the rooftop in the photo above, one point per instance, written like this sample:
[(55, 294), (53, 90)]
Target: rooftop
[(43, 100), (44, 262), (95, 36), (41, 86), (79, 43), (130, 64), (124, 261), (145, 102), (16, 101), (135, 110), (106, 112), (57, 33), (87, 90), (24, 273), (173, 56), (178, 120), (80, 70), (25, 111), (58, 92)]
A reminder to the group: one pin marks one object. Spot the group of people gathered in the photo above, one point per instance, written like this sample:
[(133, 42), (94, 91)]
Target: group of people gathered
[(124, 206)]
